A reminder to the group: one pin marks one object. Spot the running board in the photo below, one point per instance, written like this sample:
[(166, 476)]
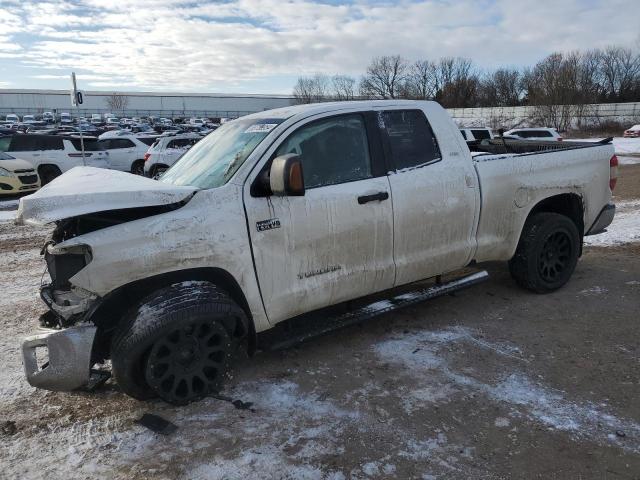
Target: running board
[(314, 325)]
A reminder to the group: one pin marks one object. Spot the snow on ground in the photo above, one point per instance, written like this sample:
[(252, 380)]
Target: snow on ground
[(423, 356), (628, 160), (7, 215), (8, 204), (625, 147), (625, 227)]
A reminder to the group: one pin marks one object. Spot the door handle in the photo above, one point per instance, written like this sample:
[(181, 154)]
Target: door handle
[(373, 197)]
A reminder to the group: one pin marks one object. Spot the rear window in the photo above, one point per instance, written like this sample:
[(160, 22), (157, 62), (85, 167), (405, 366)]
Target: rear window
[(90, 144), (31, 143), (147, 140), (481, 134), (411, 142), (182, 142)]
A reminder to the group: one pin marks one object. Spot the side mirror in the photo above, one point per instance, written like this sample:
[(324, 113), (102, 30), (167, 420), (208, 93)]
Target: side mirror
[(285, 176)]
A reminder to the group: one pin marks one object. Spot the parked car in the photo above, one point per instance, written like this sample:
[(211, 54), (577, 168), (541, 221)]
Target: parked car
[(96, 119), (536, 134), (480, 133), (29, 119), (17, 176), (300, 215), (52, 155), (48, 117), (126, 150), (65, 118), (12, 118), (633, 132), (112, 121), (166, 151)]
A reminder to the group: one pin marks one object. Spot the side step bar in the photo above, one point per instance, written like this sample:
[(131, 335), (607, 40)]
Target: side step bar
[(314, 325)]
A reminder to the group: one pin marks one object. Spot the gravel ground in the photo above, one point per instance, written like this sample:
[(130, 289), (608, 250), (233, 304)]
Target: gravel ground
[(493, 382)]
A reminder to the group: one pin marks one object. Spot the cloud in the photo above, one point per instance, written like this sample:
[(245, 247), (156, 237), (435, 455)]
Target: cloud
[(186, 45)]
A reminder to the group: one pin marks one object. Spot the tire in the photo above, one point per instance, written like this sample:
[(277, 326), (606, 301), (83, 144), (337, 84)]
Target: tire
[(157, 170), (547, 253), (178, 343), (138, 167), (48, 173)]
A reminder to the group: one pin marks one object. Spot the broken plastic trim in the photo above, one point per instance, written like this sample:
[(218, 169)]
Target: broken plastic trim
[(91, 222)]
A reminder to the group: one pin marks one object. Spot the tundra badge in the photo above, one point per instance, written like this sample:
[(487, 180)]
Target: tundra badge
[(268, 224)]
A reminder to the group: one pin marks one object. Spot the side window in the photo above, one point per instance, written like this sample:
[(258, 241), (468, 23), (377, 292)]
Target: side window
[(50, 143), (481, 134), (4, 143), (411, 140), (464, 134), (180, 143), (333, 150)]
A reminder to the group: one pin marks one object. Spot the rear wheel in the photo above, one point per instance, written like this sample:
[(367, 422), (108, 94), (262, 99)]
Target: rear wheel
[(547, 253), (48, 173), (178, 343)]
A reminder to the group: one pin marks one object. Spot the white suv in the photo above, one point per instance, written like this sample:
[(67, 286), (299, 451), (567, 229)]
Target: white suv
[(166, 151), (126, 150), (52, 155), (543, 133)]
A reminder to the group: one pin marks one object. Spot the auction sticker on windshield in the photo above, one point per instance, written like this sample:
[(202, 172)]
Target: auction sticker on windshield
[(261, 127)]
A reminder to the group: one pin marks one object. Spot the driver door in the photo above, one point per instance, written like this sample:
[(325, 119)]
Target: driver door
[(335, 243)]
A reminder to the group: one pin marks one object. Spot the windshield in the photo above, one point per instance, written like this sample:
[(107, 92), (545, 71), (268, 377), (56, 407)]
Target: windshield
[(214, 159), (6, 156)]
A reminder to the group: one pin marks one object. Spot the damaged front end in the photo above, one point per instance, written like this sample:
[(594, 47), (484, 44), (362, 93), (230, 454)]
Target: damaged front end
[(58, 357), (81, 201)]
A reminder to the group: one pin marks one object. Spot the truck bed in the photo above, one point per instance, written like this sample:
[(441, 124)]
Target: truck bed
[(497, 147)]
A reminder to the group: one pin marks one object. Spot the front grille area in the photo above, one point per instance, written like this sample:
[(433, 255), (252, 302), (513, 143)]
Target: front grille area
[(29, 179), (27, 170)]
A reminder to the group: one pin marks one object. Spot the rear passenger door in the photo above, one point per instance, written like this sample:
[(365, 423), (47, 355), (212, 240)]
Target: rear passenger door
[(435, 196), (121, 153)]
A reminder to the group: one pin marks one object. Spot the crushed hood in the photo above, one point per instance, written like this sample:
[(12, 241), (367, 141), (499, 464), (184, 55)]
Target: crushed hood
[(84, 190)]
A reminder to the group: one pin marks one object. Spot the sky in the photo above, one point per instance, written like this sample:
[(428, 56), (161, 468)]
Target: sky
[(262, 46)]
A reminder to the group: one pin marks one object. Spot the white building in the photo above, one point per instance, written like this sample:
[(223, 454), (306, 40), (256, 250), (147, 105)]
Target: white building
[(34, 102)]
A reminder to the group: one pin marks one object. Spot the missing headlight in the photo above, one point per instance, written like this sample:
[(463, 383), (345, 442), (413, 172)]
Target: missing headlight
[(65, 264)]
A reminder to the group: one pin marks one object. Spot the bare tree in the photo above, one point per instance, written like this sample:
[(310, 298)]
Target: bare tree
[(421, 80), (384, 77), (456, 82), (311, 89), (117, 102), (621, 72), (501, 88), (344, 87)]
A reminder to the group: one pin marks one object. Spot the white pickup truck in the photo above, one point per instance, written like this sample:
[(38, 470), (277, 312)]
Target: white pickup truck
[(307, 216)]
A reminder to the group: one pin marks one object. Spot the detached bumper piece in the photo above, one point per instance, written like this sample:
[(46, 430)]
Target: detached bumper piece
[(69, 357), (603, 221)]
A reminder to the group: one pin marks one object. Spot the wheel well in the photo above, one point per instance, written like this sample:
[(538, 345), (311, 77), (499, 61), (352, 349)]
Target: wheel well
[(567, 204), (154, 168), (107, 314), (52, 166)]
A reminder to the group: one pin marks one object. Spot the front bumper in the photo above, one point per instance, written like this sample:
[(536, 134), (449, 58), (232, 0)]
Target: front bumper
[(603, 221), (69, 358), (13, 185)]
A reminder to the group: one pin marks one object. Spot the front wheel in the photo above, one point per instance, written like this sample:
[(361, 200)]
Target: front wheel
[(178, 343), (547, 253)]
